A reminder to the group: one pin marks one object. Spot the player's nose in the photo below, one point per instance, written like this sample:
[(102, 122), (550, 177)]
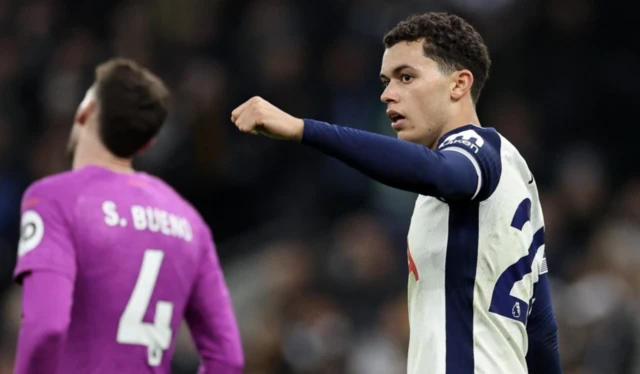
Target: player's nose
[(389, 95)]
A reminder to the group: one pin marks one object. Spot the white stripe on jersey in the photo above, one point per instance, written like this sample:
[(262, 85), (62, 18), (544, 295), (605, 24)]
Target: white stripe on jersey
[(473, 162)]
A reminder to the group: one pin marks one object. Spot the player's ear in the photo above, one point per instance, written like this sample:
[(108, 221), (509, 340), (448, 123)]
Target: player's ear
[(461, 83), (84, 112)]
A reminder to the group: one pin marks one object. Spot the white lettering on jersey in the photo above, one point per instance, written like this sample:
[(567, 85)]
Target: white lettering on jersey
[(111, 216), (110, 211), (31, 232), (469, 138), (139, 217), (160, 221)]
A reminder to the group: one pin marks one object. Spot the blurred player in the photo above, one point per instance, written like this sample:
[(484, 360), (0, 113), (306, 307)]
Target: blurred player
[(111, 260), (478, 290)]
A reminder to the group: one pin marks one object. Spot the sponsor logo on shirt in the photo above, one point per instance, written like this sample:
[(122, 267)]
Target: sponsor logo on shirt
[(468, 138)]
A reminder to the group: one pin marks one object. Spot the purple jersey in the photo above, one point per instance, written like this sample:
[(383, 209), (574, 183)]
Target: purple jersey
[(140, 260)]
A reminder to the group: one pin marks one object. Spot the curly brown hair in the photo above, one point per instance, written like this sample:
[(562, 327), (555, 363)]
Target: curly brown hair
[(448, 40)]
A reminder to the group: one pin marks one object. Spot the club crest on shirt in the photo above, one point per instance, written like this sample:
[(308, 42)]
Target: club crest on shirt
[(516, 311), (31, 232)]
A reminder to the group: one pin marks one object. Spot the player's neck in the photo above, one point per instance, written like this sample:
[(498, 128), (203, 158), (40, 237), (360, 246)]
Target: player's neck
[(116, 164), (95, 154)]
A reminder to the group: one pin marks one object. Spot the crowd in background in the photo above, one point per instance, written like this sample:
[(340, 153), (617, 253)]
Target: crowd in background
[(314, 252)]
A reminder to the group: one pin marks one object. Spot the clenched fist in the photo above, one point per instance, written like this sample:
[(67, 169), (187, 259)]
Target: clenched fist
[(258, 116)]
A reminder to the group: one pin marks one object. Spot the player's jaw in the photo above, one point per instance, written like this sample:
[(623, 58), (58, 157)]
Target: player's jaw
[(406, 128), (401, 124)]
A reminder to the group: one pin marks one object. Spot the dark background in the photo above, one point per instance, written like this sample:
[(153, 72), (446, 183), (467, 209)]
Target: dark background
[(315, 253)]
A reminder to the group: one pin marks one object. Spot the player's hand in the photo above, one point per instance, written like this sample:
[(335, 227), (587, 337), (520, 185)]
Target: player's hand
[(258, 116)]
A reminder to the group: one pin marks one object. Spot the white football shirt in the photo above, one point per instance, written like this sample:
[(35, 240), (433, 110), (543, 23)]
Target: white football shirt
[(474, 265)]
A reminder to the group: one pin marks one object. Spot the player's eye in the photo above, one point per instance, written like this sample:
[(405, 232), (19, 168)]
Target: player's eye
[(384, 84), (406, 78)]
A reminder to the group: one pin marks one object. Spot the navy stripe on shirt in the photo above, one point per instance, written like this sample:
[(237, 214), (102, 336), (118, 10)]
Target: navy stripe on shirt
[(460, 277)]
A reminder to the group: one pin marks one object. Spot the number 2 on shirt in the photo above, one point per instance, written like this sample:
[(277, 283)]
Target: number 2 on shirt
[(502, 303), (155, 336)]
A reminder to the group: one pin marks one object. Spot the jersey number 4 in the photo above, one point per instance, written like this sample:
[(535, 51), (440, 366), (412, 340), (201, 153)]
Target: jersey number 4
[(155, 336), (502, 303)]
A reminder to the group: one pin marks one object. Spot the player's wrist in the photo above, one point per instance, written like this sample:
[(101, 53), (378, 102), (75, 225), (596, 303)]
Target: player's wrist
[(298, 125)]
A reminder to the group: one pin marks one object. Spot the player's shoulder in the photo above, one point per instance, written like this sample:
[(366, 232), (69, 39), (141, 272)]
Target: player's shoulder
[(60, 186), (474, 139), (483, 147)]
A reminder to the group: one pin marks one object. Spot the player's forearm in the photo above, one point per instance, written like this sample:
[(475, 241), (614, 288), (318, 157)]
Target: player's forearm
[(46, 313), (38, 351), (397, 163)]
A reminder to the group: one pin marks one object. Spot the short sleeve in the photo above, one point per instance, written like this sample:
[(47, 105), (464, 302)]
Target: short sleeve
[(482, 147), (46, 241)]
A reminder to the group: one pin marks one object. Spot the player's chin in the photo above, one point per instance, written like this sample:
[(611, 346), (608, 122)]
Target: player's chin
[(405, 134)]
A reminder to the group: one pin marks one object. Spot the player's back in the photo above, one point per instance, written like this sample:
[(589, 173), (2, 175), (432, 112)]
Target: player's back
[(474, 265), (138, 246)]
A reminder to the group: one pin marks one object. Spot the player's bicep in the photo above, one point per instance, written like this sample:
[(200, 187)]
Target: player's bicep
[(458, 178), (45, 235), (481, 147)]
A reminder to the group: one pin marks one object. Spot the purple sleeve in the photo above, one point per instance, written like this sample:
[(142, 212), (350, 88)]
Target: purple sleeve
[(46, 312), (211, 320), (46, 240)]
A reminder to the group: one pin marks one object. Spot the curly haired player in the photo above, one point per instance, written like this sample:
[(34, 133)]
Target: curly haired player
[(479, 299)]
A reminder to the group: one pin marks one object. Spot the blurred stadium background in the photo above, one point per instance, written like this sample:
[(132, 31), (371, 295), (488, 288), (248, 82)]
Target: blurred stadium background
[(315, 253)]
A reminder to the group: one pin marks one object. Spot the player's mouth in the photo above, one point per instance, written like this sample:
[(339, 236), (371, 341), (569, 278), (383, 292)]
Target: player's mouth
[(397, 120)]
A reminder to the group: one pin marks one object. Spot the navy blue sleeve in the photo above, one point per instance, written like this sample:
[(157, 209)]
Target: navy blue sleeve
[(451, 173), (394, 162), (482, 146), (543, 356)]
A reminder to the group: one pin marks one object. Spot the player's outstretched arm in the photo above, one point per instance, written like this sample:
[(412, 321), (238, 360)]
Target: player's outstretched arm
[(46, 313), (212, 322), (543, 356), (397, 163)]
